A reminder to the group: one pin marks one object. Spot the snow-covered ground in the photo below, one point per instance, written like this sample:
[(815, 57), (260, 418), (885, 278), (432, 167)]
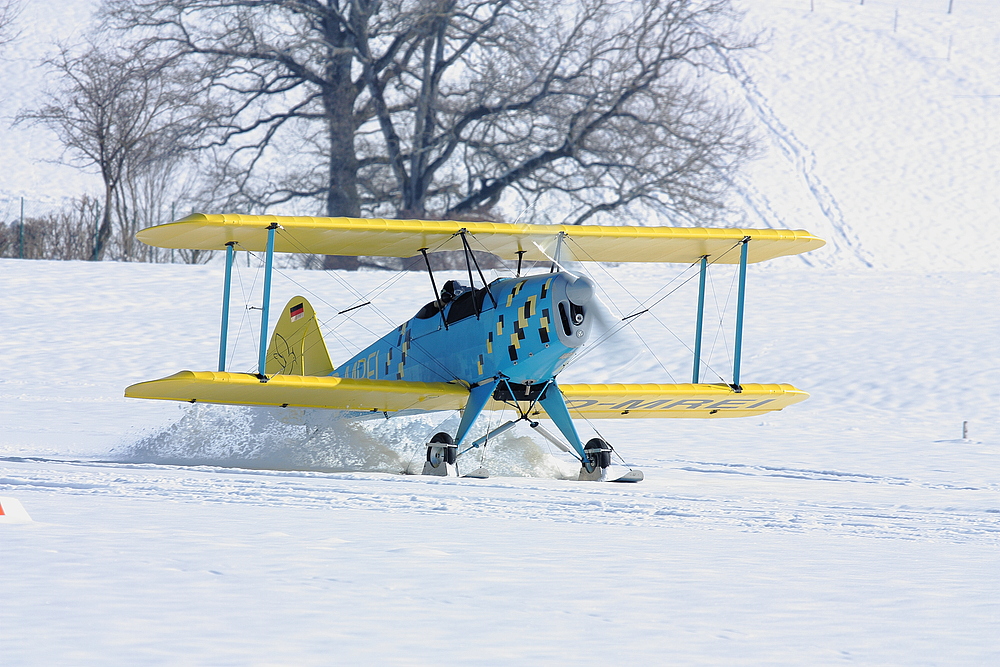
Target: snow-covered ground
[(858, 526), (883, 120)]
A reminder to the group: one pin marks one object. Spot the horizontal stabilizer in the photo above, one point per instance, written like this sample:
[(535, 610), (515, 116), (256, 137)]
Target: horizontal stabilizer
[(303, 391), (699, 401)]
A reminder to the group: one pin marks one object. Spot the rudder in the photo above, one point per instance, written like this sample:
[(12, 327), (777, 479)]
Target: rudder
[(297, 346)]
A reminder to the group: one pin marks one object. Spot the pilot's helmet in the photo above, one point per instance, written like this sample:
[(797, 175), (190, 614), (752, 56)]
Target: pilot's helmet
[(452, 290)]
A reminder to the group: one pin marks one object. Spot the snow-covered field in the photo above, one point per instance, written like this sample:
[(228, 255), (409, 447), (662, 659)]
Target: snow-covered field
[(858, 526)]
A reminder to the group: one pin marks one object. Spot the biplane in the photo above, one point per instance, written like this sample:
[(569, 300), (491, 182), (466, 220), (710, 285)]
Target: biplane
[(498, 345)]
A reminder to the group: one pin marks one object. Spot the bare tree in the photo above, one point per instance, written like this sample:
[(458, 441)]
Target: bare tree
[(436, 107), (591, 111), (9, 11), (580, 108), (118, 111), (67, 233), (286, 70)]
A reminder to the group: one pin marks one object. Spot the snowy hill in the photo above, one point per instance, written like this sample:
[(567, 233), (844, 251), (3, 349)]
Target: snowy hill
[(879, 121), (884, 127)]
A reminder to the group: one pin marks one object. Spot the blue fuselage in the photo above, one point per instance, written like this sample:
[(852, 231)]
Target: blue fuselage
[(528, 335)]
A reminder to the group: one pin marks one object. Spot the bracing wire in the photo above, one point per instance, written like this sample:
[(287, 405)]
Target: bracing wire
[(720, 329), (246, 303), (337, 337), (243, 316), (662, 298), (340, 339), (371, 295), (503, 264), (627, 321), (361, 297), (623, 318), (646, 307), (610, 276)]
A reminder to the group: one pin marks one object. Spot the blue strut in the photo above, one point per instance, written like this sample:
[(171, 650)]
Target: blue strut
[(268, 262), (554, 404), (701, 319), (739, 313), (225, 306), (478, 398)]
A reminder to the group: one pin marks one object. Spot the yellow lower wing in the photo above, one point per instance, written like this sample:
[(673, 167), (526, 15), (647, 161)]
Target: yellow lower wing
[(303, 391), (700, 401), (593, 401)]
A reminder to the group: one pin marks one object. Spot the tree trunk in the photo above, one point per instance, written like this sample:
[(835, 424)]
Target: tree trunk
[(342, 199), (104, 232)]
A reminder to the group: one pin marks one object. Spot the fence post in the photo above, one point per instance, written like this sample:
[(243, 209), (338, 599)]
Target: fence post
[(20, 233), (173, 217)]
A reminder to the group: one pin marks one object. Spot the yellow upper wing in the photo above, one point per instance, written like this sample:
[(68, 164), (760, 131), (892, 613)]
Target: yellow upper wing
[(405, 238)]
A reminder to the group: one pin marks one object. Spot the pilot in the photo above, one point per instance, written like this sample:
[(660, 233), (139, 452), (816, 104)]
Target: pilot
[(452, 290)]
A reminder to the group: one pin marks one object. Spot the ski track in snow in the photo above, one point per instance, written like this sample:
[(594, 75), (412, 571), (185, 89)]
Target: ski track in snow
[(964, 514), (804, 160)]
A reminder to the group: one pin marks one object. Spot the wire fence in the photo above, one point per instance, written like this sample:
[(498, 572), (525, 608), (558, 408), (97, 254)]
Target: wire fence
[(68, 230), (936, 6)]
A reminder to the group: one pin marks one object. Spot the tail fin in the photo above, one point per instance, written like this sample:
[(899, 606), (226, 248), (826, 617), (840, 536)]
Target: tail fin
[(297, 346)]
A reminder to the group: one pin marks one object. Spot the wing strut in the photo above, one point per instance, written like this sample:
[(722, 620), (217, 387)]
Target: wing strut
[(225, 306), (739, 314), (520, 259), (266, 305), (468, 265), (469, 254), (437, 295), (701, 319)]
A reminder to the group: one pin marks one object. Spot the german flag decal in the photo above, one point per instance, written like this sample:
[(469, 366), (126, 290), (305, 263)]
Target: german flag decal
[(296, 312)]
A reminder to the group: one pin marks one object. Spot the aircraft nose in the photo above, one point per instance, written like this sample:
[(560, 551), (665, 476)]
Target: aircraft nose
[(580, 291)]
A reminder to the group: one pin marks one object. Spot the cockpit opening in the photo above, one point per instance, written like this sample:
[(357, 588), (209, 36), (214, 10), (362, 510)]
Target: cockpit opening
[(463, 300)]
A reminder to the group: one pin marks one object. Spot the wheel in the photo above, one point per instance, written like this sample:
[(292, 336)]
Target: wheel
[(446, 446), (598, 452)]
